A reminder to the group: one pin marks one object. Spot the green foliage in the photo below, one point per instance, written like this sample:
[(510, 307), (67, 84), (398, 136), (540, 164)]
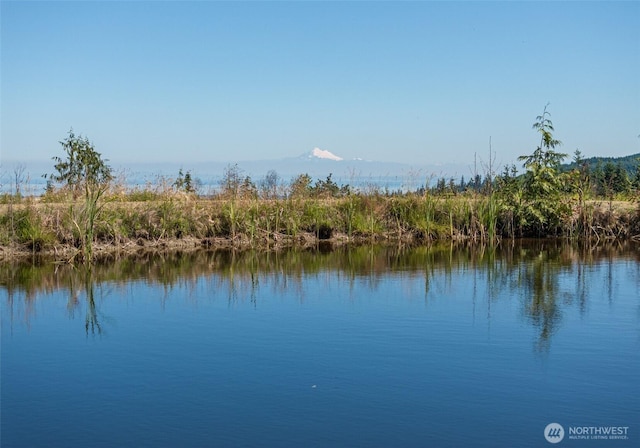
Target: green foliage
[(184, 182), (635, 181), (230, 219), (544, 201), (628, 163), (83, 171), (509, 194), (448, 187), (615, 179), (423, 217), (314, 215), (578, 184), (142, 196), (579, 178), (543, 182), (140, 223), (8, 198), (248, 189), (608, 177), (234, 185), (357, 215), (301, 186), (27, 227), (174, 221), (488, 217), (82, 168), (329, 188)]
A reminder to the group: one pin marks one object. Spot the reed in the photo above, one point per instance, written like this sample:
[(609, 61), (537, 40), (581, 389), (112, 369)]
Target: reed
[(52, 225)]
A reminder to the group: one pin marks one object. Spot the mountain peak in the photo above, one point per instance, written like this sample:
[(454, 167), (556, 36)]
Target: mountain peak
[(318, 153)]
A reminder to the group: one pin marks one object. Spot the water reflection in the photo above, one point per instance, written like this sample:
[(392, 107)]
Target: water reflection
[(92, 322), (545, 277), (540, 282)]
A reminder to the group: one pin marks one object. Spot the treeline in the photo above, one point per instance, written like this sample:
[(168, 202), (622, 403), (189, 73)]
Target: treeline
[(608, 179), (628, 163), (611, 178)]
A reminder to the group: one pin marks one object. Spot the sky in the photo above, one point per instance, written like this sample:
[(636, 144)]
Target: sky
[(412, 82)]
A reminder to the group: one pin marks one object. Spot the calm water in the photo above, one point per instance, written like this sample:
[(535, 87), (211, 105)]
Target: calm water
[(369, 347)]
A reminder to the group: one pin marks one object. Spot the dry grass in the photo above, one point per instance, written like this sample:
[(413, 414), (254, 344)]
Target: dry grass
[(185, 222)]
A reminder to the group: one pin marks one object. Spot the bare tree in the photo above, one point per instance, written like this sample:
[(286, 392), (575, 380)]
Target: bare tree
[(269, 185), (19, 177), (231, 181)]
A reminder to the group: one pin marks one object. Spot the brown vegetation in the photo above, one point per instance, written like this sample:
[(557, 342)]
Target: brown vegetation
[(182, 221)]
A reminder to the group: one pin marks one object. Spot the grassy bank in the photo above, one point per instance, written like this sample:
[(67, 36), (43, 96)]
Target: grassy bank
[(135, 221)]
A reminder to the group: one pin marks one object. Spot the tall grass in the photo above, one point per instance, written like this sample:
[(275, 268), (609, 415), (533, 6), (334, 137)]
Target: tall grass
[(51, 223)]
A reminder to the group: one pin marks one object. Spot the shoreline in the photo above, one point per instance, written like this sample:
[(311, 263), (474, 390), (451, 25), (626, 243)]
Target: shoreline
[(68, 254), (304, 241), (50, 230)]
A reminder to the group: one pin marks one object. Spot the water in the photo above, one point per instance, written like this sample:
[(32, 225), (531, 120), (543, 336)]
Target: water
[(27, 177), (369, 347), (158, 183)]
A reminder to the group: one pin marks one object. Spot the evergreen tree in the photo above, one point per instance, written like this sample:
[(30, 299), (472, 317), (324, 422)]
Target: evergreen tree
[(635, 182), (542, 180), (462, 186)]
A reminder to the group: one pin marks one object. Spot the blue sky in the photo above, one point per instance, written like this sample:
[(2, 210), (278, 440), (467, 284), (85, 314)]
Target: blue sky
[(414, 82)]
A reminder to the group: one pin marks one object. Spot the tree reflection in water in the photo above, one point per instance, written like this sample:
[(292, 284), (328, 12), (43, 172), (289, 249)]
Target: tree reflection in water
[(91, 320), (540, 282), (539, 273)]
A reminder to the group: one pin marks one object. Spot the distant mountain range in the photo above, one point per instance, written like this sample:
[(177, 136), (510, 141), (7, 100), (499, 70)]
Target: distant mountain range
[(317, 163)]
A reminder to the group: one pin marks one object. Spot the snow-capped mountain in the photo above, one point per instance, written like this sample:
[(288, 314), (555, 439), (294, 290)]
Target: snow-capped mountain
[(317, 163), (318, 153)]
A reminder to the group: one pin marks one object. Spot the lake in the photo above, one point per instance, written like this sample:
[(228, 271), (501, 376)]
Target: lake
[(368, 346)]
